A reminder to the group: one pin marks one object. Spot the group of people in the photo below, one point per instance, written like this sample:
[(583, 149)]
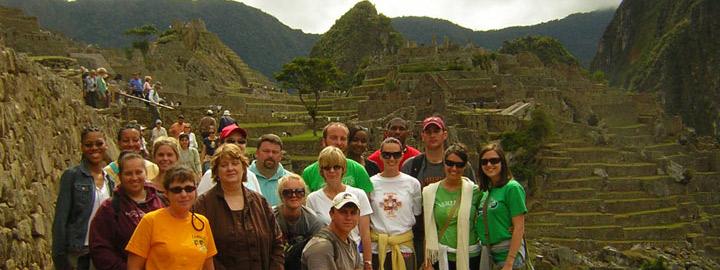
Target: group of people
[(95, 84), (399, 208)]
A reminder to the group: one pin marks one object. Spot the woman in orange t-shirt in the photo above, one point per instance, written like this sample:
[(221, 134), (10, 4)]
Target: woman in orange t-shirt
[(173, 237)]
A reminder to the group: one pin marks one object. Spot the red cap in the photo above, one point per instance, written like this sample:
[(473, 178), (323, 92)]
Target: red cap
[(226, 131), (433, 120)]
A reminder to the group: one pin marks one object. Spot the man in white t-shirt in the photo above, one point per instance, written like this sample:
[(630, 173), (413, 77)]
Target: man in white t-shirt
[(236, 135), (396, 200)]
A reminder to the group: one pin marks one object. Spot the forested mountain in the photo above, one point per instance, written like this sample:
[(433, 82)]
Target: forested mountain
[(260, 39), (579, 32)]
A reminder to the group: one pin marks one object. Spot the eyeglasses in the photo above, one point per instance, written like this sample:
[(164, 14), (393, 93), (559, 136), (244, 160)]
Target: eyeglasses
[(289, 193), (235, 142), (457, 164), (493, 161), (178, 190), (96, 144), (328, 168), (388, 155)]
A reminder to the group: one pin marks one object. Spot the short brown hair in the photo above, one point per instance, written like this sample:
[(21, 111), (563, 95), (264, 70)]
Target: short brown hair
[(179, 174), (169, 141), (271, 138), (231, 151)]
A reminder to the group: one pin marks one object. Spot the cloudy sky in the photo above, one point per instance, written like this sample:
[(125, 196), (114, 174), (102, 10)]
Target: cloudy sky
[(317, 16)]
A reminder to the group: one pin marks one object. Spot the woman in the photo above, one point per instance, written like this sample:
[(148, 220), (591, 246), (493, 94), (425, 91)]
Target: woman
[(243, 224), (117, 217), (332, 165), (210, 143), (147, 87), (165, 155), (297, 222), (357, 146), (82, 189), (189, 156), (173, 237), (158, 131), (396, 201), (187, 129), (102, 88), (130, 139), (449, 209), (505, 209)]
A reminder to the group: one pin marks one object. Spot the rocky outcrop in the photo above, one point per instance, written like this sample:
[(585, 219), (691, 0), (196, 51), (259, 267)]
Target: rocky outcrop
[(41, 117), (668, 46), (24, 34)]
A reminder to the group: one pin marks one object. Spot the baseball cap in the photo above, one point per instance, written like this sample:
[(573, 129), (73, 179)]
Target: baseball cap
[(226, 113), (226, 131), (433, 120), (343, 198), (209, 112), (158, 121)]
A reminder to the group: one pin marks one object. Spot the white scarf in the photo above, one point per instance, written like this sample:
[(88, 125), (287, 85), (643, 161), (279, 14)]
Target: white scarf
[(432, 244)]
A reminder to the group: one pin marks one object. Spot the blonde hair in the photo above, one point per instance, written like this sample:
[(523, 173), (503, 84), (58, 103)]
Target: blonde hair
[(291, 177), (231, 151), (148, 78), (169, 141), (331, 156)]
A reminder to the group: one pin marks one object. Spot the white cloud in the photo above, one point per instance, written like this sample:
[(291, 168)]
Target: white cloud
[(317, 16)]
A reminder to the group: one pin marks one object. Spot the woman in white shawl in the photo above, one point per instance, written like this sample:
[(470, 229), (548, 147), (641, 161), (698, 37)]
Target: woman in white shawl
[(449, 207)]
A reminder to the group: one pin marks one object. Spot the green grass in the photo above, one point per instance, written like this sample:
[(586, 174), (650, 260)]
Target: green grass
[(306, 136), (277, 124)]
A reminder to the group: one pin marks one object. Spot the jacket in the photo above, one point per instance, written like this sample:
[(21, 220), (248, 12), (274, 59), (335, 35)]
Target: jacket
[(73, 208)]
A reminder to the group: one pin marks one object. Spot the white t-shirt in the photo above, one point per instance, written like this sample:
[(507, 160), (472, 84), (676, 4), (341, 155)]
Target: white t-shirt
[(395, 202), (206, 182), (101, 193), (320, 203)]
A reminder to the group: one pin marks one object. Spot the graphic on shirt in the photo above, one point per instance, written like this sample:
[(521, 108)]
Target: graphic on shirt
[(491, 205), (391, 204), (431, 180), (200, 242), (446, 204)]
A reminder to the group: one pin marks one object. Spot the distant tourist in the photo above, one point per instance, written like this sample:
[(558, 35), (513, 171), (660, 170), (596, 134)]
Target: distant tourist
[(267, 167), (129, 139), (189, 156), (154, 98), (502, 207), (147, 87), (206, 122), (187, 129), (158, 131), (210, 143), (82, 190), (357, 146), (117, 217), (231, 134), (225, 120), (166, 154), (102, 88), (90, 89), (177, 127), (136, 85), (397, 128)]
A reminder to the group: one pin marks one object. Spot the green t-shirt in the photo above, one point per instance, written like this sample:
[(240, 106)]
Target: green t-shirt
[(444, 201), (505, 203), (356, 176)]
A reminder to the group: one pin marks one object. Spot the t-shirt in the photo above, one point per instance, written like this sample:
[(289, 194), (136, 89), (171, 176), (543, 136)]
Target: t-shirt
[(505, 203), (409, 152), (432, 172), (210, 146), (320, 203), (171, 243), (356, 176), (101, 193), (444, 201), (269, 186), (395, 202), (319, 253)]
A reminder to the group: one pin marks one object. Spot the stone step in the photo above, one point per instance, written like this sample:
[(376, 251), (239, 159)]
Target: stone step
[(573, 219), (630, 205), (658, 232), (648, 218), (582, 205), (667, 148), (544, 229), (631, 130), (621, 195), (620, 169), (558, 162), (660, 185), (604, 232), (565, 173), (712, 209), (588, 244), (593, 154), (570, 194), (635, 140), (706, 198), (594, 182)]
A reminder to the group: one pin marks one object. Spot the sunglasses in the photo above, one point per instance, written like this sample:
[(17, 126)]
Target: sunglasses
[(493, 161), (96, 144), (388, 155), (328, 168), (458, 164), (178, 190), (289, 193), (235, 142)]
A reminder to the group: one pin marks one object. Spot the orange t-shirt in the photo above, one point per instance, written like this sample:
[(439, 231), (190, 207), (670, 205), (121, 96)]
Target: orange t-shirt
[(175, 129), (167, 242)]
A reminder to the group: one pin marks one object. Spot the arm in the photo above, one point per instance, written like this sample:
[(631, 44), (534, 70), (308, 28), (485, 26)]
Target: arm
[(209, 264), (62, 211), (196, 162), (320, 256), (103, 250), (135, 262), (517, 237), (364, 226)]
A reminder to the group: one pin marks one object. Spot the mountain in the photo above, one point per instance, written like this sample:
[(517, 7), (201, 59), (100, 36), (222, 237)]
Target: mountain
[(359, 33), (258, 38), (579, 32), (671, 47)]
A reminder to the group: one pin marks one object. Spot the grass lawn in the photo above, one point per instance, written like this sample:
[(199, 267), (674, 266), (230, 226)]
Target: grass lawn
[(277, 124), (306, 136)]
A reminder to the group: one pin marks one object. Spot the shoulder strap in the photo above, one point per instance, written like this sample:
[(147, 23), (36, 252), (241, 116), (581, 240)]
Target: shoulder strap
[(416, 164), (115, 201), (485, 222), (451, 215), (324, 235)]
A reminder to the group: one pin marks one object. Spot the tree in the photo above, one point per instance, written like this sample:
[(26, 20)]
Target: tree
[(143, 35), (309, 76)]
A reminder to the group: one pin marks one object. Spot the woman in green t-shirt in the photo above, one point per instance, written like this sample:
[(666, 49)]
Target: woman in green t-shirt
[(505, 210)]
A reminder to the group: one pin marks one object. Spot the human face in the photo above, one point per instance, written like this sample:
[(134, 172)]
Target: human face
[(184, 143), (434, 137), (454, 172), (237, 139), (346, 218), (93, 147), (296, 201), (165, 157), (130, 140), (336, 136), (132, 176), (359, 143), (397, 130), (391, 162), (490, 169), (230, 170), (183, 200), (187, 128), (332, 173), (269, 155)]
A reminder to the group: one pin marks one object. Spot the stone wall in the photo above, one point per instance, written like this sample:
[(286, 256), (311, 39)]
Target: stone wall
[(41, 117)]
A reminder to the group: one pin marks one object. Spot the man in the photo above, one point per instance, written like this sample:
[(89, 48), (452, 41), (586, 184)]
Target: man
[(225, 120), (332, 247), (336, 134), (267, 167), (428, 167), (177, 127), (157, 131), (136, 85), (206, 122), (398, 129), (236, 135)]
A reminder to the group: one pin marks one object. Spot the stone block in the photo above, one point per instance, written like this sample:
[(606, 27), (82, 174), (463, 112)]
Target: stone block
[(24, 230)]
